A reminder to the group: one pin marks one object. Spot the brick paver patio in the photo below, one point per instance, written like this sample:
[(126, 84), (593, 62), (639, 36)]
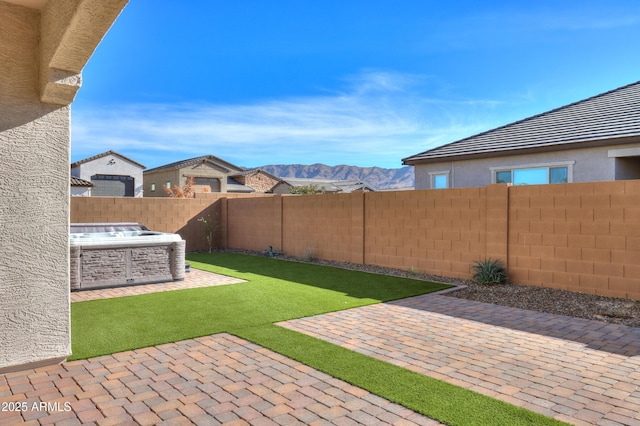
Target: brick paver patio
[(578, 371), (211, 380), (193, 279)]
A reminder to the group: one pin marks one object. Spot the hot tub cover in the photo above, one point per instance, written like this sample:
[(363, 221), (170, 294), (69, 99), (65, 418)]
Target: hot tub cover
[(82, 228)]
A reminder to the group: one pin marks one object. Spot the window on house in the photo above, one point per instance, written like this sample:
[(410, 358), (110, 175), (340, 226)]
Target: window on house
[(440, 181), (153, 187), (533, 175), (537, 176), (558, 174), (503, 176), (205, 180), (168, 184)]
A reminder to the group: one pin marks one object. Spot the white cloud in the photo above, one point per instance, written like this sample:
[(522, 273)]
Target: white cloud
[(379, 120)]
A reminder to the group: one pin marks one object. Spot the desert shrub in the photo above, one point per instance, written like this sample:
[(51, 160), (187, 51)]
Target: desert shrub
[(307, 189), (187, 191), (489, 272), (308, 254)]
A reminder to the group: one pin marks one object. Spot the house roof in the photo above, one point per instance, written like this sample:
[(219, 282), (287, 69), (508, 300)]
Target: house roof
[(104, 154), (329, 185), (191, 161), (76, 181), (235, 186), (256, 171), (590, 122)]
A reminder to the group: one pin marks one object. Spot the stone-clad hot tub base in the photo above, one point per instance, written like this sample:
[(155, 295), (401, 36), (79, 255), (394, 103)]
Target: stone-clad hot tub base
[(129, 257)]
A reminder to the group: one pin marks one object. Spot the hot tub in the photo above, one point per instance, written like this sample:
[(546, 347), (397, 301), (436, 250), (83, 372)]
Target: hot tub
[(121, 254)]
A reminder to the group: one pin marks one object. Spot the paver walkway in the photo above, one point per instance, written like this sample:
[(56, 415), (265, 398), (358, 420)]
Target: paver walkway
[(212, 380), (193, 279), (578, 371)]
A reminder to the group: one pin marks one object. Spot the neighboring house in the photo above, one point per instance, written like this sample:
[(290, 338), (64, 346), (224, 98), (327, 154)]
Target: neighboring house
[(80, 187), (209, 173), (44, 46), (596, 139), (112, 175), (326, 185), (257, 179)]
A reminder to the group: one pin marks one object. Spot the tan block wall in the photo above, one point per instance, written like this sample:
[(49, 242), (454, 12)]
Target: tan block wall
[(328, 226), (175, 215), (255, 222), (435, 231), (582, 237)]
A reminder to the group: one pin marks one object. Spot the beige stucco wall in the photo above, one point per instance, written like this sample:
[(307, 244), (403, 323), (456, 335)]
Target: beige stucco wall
[(588, 165), (159, 179), (206, 170), (34, 317), (34, 175), (179, 177)]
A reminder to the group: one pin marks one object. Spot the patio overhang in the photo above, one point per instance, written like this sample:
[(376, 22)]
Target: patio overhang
[(70, 31)]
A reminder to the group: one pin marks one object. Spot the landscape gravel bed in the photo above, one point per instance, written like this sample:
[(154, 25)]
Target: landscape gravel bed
[(579, 305)]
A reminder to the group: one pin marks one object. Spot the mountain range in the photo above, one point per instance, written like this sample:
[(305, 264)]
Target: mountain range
[(377, 177)]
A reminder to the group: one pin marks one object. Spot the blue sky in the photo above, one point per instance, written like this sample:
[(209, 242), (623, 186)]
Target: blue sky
[(357, 82)]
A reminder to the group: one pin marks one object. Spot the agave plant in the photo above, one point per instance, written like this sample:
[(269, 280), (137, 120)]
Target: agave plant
[(489, 272)]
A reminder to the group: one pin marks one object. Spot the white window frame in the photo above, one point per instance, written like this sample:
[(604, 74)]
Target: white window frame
[(432, 178), (567, 164)]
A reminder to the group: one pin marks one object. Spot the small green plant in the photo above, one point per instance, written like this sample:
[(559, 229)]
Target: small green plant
[(489, 272), (307, 189), (212, 229), (412, 271), (308, 254)]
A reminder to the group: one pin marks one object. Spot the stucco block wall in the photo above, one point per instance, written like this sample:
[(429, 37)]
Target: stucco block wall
[(174, 215), (327, 227), (583, 237), (34, 301), (254, 222), (580, 237), (440, 232)]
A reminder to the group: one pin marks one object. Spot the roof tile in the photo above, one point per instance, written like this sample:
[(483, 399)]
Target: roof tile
[(611, 115)]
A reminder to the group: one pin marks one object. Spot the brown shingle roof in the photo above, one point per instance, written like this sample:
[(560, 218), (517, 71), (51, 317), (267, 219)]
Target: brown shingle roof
[(590, 122)]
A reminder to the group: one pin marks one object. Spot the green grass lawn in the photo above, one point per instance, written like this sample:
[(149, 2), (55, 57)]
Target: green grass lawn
[(278, 290)]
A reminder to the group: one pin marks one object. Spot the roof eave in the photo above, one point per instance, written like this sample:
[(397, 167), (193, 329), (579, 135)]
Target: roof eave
[(104, 154), (412, 161)]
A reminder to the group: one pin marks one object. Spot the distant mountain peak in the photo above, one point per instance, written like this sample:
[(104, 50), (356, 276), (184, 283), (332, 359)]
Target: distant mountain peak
[(377, 177)]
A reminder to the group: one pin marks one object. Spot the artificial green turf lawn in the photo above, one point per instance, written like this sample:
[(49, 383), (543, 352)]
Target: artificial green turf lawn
[(434, 398), (277, 291)]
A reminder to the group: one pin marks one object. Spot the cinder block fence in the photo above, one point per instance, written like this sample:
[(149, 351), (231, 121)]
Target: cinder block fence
[(582, 237)]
